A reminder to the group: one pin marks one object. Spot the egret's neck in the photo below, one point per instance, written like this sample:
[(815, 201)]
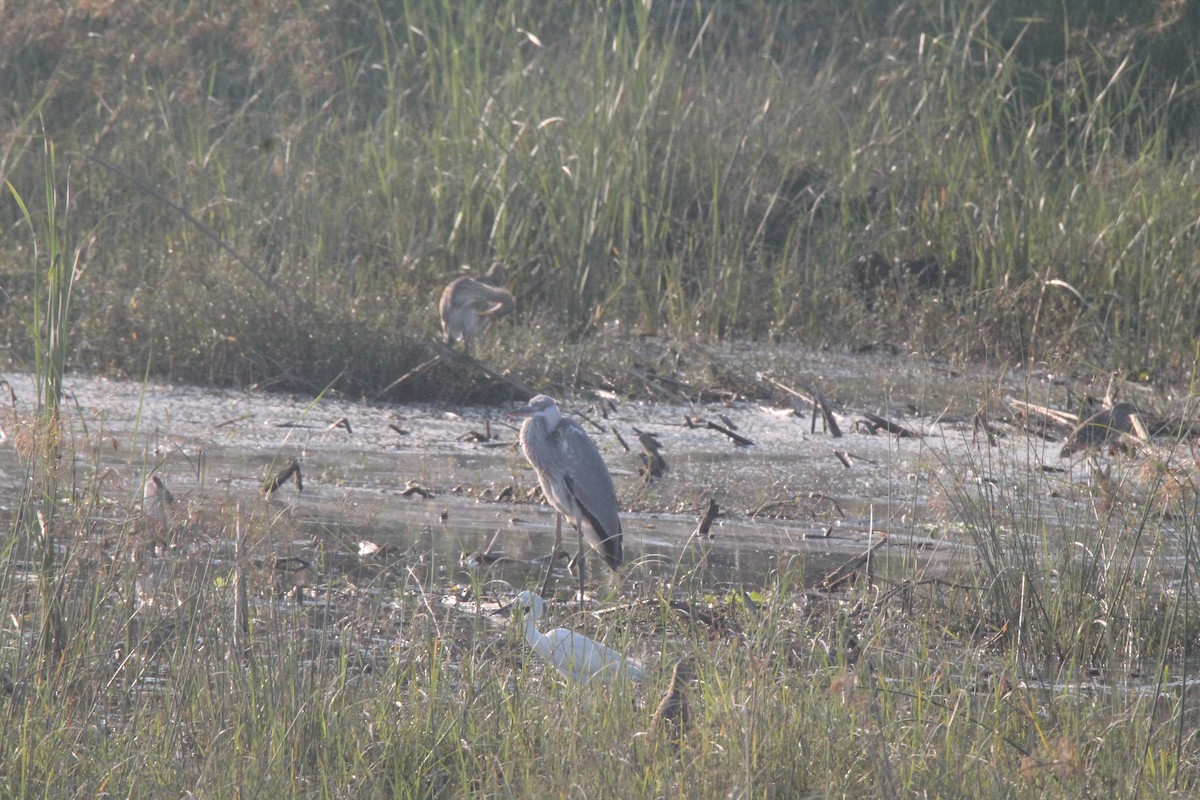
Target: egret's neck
[(531, 632)]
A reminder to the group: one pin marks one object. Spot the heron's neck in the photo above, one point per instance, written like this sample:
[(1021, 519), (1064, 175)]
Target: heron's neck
[(552, 416)]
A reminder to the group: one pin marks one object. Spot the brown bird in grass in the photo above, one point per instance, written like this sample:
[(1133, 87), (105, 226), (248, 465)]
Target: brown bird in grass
[(469, 304), (1101, 429), (157, 499), (673, 715)]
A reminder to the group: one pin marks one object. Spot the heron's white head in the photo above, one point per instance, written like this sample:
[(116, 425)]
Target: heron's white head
[(540, 407)]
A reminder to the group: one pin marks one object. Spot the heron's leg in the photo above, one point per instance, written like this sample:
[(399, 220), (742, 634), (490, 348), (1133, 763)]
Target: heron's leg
[(582, 560), (553, 553)]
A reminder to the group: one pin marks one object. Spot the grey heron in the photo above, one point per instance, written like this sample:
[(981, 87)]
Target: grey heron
[(574, 480), (574, 655), (468, 304)]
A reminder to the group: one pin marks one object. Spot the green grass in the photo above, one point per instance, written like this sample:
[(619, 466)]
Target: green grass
[(702, 172), (380, 689)]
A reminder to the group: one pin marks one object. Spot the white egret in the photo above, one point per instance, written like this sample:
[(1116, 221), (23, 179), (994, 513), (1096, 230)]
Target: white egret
[(574, 655)]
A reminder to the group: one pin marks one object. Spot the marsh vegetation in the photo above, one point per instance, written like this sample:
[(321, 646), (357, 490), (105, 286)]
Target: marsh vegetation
[(687, 197)]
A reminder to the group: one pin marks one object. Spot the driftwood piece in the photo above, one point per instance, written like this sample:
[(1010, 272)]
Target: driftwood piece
[(738, 439), (846, 571), (620, 438), (706, 521), (813, 398), (823, 405), (653, 463), (417, 489), (648, 440), (803, 398), (291, 471), (895, 428), (1062, 420), (662, 385), (341, 423)]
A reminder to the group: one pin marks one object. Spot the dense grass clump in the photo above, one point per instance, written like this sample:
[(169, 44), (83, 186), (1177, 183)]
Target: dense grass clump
[(961, 179)]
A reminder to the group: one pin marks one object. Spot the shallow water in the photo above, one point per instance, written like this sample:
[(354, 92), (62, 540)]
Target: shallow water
[(797, 495)]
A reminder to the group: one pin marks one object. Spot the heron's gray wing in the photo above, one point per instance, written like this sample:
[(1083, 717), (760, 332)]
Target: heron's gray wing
[(589, 481)]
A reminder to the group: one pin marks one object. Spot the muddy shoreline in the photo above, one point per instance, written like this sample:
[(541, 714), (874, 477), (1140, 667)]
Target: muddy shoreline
[(797, 492)]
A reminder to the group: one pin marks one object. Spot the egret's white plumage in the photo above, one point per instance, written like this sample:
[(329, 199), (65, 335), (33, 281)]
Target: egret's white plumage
[(573, 475), (573, 654)]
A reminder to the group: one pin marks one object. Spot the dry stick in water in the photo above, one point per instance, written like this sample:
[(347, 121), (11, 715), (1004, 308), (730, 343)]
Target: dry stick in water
[(891, 427), (738, 439), (815, 399), (706, 521), (847, 570), (288, 472)]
